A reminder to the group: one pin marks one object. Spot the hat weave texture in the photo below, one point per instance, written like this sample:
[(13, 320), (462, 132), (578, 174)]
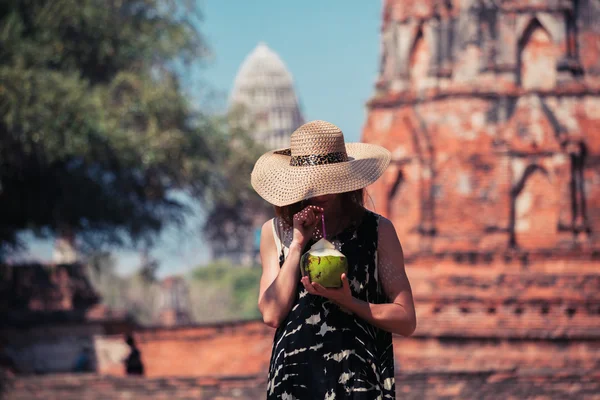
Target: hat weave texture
[(318, 162)]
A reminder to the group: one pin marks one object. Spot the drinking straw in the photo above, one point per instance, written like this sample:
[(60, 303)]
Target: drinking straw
[(323, 223)]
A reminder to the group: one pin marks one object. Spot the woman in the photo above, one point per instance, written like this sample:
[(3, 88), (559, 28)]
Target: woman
[(330, 343)]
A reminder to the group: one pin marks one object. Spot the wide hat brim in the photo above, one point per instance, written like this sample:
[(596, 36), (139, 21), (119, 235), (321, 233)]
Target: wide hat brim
[(281, 184)]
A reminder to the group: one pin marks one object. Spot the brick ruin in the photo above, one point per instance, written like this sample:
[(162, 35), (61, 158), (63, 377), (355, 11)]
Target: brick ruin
[(491, 110)]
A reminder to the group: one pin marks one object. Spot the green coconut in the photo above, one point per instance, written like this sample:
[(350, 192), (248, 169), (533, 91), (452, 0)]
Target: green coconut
[(323, 264)]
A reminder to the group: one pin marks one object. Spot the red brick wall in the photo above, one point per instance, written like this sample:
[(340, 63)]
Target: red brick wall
[(230, 349)]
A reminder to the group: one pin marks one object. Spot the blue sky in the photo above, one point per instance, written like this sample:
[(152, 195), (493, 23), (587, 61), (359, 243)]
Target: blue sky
[(331, 48)]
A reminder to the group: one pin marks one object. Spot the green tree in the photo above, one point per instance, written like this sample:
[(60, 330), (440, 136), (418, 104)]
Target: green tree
[(96, 132), (232, 290), (136, 293), (235, 209)]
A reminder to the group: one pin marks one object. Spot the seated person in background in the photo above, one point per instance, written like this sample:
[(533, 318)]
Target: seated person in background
[(133, 362)]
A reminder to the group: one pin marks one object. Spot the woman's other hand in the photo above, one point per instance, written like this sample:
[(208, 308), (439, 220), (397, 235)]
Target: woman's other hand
[(305, 223), (341, 296)]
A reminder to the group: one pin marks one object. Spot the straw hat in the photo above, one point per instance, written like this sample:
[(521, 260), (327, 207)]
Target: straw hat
[(318, 162)]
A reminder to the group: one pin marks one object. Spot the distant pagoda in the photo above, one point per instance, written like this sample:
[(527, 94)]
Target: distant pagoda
[(264, 92)]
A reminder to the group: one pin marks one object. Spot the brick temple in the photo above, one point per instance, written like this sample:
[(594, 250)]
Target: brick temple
[(491, 110)]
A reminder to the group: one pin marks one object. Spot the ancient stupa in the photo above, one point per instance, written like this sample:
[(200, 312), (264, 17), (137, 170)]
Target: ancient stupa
[(264, 93)]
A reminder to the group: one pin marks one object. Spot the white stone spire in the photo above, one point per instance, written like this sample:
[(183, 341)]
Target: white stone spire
[(264, 90)]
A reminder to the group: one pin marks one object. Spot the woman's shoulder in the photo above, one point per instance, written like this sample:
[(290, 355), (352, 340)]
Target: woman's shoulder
[(268, 225), (381, 220), (267, 232), (386, 231)]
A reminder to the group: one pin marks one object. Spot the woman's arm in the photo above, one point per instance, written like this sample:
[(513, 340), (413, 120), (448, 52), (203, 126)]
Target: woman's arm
[(277, 285), (399, 315)]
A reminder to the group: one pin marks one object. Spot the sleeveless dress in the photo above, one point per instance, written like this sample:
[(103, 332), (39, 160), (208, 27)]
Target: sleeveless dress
[(321, 351)]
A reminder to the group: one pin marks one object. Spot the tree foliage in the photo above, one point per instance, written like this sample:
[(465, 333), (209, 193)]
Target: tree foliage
[(219, 291), (135, 293), (230, 289), (96, 131), (235, 208)]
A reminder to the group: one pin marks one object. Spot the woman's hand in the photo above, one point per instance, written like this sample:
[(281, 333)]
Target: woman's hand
[(305, 223), (341, 296)]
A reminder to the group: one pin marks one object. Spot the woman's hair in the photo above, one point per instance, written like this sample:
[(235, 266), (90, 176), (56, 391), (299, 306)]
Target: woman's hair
[(352, 202)]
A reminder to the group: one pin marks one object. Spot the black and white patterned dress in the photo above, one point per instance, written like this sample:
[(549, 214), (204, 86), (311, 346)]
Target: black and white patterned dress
[(323, 352)]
